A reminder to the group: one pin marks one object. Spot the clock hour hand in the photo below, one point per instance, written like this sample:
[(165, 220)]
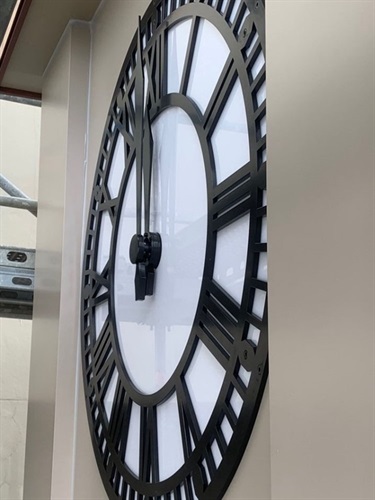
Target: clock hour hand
[(148, 144)]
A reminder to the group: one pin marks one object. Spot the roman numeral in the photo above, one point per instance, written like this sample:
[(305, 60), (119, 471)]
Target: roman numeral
[(238, 19), (188, 489), (189, 55), (231, 198), (148, 456), (229, 9), (209, 465), (190, 431), (120, 416), (129, 116), (155, 60), (217, 318), (219, 97), (103, 360), (95, 283), (107, 203)]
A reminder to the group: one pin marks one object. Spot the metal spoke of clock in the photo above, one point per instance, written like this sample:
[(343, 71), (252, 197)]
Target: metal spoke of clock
[(189, 55), (148, 457), (219, 97)]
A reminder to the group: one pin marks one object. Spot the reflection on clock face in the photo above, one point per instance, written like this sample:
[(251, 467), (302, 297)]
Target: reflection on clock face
[(173, 383)]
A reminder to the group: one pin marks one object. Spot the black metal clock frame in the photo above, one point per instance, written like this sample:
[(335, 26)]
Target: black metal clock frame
[(220, 323)]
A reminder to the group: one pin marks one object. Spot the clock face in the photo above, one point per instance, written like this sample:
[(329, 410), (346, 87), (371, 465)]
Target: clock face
[(174, 287)]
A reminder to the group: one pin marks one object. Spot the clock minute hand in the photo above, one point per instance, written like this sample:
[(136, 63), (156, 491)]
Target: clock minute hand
[(139, 119), (136, 251)]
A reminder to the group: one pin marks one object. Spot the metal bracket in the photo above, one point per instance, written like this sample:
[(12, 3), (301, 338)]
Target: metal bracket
[(17, 269)]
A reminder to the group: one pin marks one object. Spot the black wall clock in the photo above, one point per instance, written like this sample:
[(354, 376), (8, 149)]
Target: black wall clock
[(174, 287)]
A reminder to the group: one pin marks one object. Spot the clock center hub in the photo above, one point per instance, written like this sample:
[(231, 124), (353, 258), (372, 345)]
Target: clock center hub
[(145, 249)]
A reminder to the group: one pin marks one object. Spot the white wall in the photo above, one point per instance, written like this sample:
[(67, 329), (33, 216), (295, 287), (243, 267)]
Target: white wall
[(321, 138), (19, 160)]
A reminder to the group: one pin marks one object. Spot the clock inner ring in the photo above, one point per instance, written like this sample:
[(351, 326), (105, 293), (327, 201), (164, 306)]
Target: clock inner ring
[(152, 334)]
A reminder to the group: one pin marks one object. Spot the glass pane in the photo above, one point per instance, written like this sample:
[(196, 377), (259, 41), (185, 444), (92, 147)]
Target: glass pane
[(211, 52), (204, 379), (230, 140), (262, 267), (252, 44), (171, 456), (117, 168), (259, 303), (253, 334), (110, 394), (231, 255), (159, 326), (216, 453), (244, 376), (263, 235), (261, 94), (263, 126), (104, 242), (226, 429), (132, 445), (101, 314), (236, 6), (236, 402), (178, 38), (257, 65)]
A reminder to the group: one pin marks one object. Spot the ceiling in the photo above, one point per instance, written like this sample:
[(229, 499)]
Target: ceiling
[(39, 32)]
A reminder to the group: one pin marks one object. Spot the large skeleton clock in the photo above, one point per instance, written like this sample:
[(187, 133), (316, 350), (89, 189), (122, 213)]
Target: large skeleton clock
[(174, 308)]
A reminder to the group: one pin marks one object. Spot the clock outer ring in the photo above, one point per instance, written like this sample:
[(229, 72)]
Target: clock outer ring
[(250, 407)]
